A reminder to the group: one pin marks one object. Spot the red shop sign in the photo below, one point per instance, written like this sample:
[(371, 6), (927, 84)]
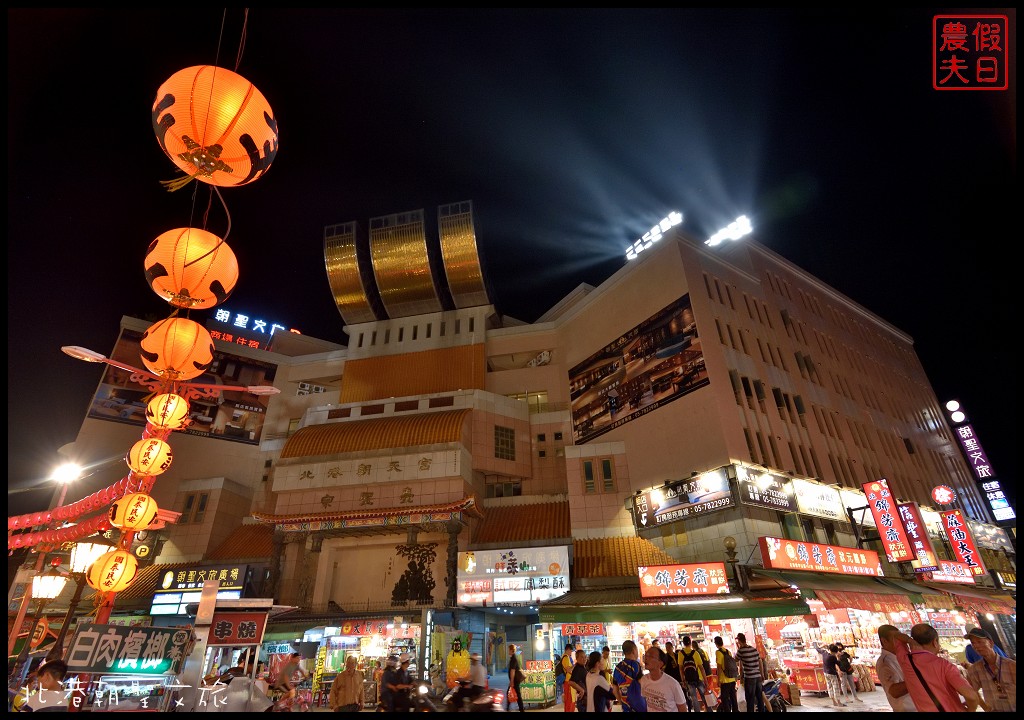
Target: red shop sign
[(783, 554), (693, 579), (960, 538), (887, 519), (237, 628), (582, 629), (927, 560)]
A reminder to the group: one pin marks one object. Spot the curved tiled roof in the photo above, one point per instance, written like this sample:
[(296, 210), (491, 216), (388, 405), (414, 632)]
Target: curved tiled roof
[(615, 557), (519, 523), (144, 584), (254, 541), (467, 504), (397, 431)]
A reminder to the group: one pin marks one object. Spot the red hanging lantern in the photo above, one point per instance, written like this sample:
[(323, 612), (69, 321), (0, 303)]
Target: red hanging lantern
[(149, 457), (113, 572), (177, 349), (215, 125), (134, 512), (191, 268), (168, 412)]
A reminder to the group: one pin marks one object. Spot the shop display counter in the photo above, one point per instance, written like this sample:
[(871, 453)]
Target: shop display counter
[(808, 677)]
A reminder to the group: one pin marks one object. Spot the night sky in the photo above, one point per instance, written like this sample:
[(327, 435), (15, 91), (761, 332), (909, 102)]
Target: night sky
[(572, 131)]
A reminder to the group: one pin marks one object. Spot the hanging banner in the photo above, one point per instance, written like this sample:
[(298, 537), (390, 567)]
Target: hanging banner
[(782, 554), (887, 519), (926, 560), (693, 579), (955, 525)]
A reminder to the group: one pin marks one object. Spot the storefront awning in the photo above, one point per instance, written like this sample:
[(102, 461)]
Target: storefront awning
[(842, 591), (626, 605), (979, 600)]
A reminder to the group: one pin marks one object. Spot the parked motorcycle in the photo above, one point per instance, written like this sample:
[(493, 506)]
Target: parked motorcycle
[(773, 691)]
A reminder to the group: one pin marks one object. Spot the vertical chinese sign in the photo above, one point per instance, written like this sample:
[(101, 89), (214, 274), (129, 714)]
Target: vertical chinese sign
[(926, 560), (955, 526), (887, 519)]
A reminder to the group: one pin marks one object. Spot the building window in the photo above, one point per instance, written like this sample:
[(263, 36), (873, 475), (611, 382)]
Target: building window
[(831, 538), (195, 508), (504, 489), (541, 437), (558, 436), (598, 476), (542, 453), (504, 443)]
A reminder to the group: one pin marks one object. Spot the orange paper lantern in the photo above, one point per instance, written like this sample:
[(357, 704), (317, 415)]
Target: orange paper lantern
[(134, 512), (215, 125), (168, 412), (149, 456), (191, 268), (113, 572), (177, 349)]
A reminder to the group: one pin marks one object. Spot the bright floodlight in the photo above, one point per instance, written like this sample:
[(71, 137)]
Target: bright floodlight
[(952, 406), (81, 353), (733, 231), (957, 417), (68, 472), (263, 389)]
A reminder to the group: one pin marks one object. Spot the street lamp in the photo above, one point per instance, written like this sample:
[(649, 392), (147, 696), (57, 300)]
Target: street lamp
[(45, 588), (64, 475), (83, 554)]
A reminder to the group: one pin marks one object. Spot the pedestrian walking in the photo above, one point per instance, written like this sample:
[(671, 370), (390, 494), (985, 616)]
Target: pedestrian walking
[(994, 675), (889, 672), (515, 679), (749, 663), (626, 679), (578, 680), (847, 674), (599, 690), (728, 670), (567, 662), (692, 663), (936, 685), (662, 692)]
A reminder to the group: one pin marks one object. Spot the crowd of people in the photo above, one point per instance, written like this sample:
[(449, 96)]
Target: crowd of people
[(915, 673)]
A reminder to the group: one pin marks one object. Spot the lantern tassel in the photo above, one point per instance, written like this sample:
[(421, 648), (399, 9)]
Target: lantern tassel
[(177, 183)]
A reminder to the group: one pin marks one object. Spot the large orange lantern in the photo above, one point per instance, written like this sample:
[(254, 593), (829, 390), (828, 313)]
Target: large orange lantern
[(168, 412), (113, 572), (136, 511), (177, 349), (191, 268), (149, 456), (215, 125)]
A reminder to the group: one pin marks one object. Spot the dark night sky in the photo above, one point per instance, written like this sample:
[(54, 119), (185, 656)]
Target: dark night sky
[(572, 131)]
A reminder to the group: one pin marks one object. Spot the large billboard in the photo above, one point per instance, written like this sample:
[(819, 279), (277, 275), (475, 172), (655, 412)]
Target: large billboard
[(233, 415), (512, 576), (651, 365)]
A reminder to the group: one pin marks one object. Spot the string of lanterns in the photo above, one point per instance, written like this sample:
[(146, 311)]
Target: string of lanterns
[(218, 129)]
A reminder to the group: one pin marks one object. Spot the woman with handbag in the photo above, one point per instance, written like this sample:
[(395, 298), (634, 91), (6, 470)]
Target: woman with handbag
[(515, 679)]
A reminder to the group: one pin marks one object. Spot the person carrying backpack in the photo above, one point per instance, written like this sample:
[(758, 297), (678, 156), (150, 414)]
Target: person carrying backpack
[(727, 674), (691, 669)]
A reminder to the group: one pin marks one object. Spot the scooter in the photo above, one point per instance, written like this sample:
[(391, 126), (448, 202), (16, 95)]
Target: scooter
[(773, 691), (491, 700)]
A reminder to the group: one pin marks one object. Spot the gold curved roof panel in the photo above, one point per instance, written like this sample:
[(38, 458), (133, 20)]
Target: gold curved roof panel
[(461, 256), (398, 249), (400, 431), (343, 274)]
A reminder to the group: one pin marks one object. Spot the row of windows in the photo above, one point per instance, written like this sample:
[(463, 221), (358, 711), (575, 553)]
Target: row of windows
[(195, 508), (427, 330)]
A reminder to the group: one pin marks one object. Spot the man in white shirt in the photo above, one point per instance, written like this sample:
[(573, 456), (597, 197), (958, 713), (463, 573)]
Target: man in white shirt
[(662, 692), (889, 672)]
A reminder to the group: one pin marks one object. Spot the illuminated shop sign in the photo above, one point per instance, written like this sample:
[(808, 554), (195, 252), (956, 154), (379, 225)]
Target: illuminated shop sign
[(237, 628), (682, 499), (118, 650), (242, 329), (887, 519), (512, 576), (230, 577), (582, 629), (820, 500), (953, 572), (782, 554), (917, 535), (653, 235), (959, 535), (765, 489), (984, 473), (681, 580)]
